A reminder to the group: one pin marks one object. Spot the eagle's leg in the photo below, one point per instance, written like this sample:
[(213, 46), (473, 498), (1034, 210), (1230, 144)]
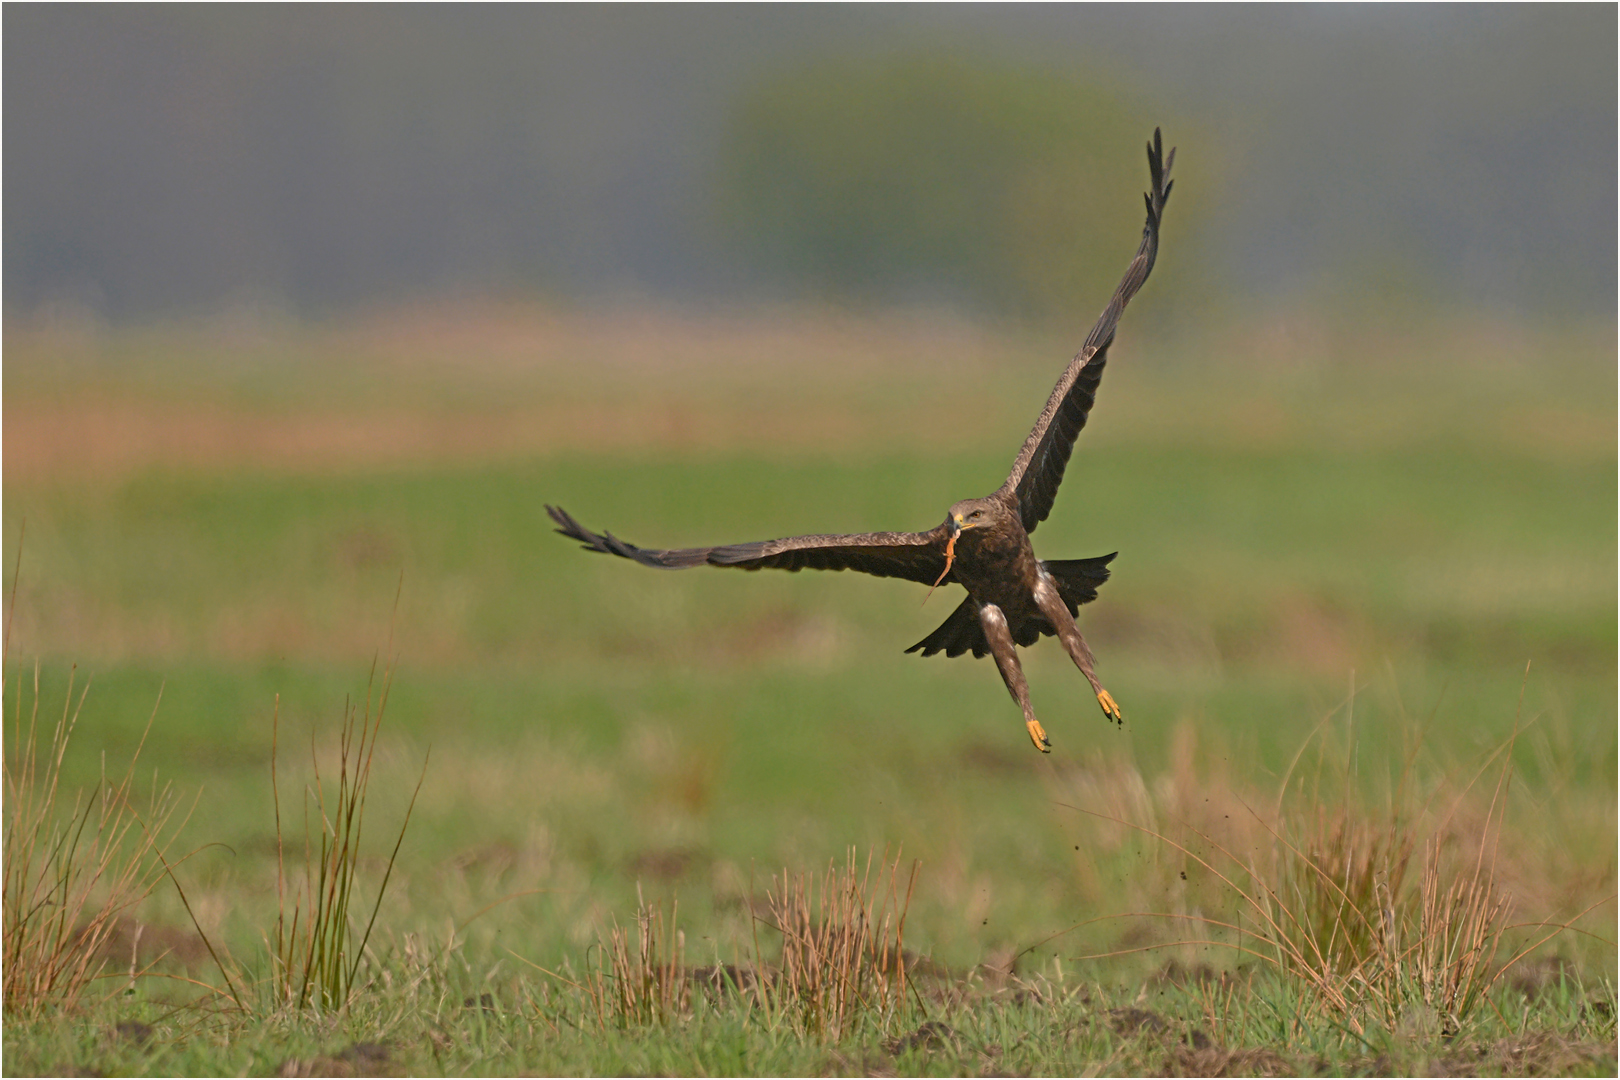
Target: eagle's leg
[(1057, 613), (1001, 647)]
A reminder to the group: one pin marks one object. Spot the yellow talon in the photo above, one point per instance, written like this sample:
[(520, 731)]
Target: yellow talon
[(1110, 707), (1037, 735)]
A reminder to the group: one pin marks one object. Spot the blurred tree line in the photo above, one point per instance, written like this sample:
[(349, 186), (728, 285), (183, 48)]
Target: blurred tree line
[(935, 177), (171, 159)]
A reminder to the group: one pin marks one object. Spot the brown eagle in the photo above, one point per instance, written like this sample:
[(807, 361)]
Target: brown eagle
[(983, 544)]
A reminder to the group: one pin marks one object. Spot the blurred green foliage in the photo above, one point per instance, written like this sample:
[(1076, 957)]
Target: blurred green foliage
[(932, 177)]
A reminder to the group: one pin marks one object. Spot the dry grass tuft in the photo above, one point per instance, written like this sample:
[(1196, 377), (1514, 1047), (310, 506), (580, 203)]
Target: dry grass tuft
[(71, 876), (842, 944), (646, 981), (316, 954), (1339, 914), (1387, 914), (841, 959), (72, 872), (1369, 941)]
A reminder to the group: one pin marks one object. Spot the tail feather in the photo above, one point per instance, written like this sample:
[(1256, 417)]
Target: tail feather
[(959, 633), (1077, 580)]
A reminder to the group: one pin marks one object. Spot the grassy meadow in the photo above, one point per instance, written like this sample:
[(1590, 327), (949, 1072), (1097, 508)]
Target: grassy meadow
[(1358, 571)]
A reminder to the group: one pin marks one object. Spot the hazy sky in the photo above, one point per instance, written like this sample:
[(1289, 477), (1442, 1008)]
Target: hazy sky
[(172, 159)]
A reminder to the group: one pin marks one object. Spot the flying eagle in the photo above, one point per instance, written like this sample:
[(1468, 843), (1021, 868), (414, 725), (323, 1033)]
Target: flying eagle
[(983, 545)]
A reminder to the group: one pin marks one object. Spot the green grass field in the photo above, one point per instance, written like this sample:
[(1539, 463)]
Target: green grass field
[(1377, 554)]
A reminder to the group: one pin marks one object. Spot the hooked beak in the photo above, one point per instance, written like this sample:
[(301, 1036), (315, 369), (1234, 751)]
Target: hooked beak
[(953, 526)]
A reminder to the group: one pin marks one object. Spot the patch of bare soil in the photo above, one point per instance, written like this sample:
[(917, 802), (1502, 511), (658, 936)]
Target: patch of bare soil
[(1536, 1053), (360, 1059), (1212, 1059), (132, 1031), (931, 1035), (1195, 1053), (665, 864), (1132, 1021), (137, 945)]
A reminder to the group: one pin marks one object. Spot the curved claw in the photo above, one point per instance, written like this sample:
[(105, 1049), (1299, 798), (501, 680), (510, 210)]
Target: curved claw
[(1110, 707), (1037, 735)]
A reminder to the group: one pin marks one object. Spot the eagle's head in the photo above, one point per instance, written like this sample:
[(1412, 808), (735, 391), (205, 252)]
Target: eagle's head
[(970, 514)]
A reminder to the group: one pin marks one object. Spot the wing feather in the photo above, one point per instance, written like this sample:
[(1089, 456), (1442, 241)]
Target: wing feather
[(1038, 469), (916, 557)]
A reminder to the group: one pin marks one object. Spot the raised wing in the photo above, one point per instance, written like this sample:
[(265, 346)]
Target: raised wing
[(916, 557), (1038, 470), (1077, 580)]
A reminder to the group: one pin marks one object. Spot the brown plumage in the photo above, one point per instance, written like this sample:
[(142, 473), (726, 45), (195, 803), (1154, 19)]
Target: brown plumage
[(983, 544)]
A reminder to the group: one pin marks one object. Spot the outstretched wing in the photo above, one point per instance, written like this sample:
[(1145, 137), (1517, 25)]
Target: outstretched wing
[(1038, 470), (1077, 580), (916, 557)]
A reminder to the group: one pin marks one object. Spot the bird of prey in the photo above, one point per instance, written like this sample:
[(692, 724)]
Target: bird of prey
[(983, 544)]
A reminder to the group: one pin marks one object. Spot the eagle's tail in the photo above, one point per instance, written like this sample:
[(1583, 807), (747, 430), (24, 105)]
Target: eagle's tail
[(1077, 580)]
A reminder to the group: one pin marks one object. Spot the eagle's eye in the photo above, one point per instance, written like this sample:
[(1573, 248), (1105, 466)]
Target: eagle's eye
[(976, 515)]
